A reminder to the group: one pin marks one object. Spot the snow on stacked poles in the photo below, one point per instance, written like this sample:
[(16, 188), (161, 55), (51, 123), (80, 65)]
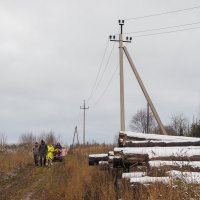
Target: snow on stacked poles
[(149, 151)]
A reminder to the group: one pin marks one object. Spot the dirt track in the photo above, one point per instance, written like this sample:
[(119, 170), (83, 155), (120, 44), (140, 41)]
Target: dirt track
[(28, 184)]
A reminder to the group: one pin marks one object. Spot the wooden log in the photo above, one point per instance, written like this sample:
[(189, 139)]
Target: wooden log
[(188, 152), (153, 143), (122, 140), (133, 175), (177, 158), (148, 179), (179, 164), (188, 177), (129, 160), (156, 137), (130, 139), (94, 159), (117, 162)]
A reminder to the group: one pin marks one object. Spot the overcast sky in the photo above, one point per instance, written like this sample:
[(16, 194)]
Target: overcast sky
[(50, 53)]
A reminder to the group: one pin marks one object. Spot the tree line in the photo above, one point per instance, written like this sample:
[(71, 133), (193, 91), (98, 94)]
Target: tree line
[(179, 124)]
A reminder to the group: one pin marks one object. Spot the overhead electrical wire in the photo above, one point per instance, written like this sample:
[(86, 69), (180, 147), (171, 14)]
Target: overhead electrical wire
[(99, 70), (105, 68), (162, 13), (162, 28), (165, 32), (106, 88)]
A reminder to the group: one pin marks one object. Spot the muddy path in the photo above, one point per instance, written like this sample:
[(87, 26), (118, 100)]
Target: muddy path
[(28, 184)]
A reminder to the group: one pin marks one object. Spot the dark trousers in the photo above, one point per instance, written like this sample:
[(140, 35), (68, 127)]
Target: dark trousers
[(42, 160), (36, 160)]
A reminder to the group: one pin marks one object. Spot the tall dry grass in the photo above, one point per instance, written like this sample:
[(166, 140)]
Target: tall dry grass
[(76, 180), (15, 160)]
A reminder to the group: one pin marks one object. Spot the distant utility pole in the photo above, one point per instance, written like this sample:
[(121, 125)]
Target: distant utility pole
[(84, 108), (75, 135), (128, 39)]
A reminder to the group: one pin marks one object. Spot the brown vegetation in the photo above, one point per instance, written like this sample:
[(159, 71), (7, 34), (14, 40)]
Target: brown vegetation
[(14, 160), (74, 179)]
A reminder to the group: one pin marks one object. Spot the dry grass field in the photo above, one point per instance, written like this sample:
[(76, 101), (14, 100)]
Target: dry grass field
[(74, 179)]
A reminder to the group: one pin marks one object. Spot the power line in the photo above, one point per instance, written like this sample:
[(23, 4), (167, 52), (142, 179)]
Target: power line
[(99, 70), (163, 13), (156, 29), (165, 32), (109, 82), (106, 66)]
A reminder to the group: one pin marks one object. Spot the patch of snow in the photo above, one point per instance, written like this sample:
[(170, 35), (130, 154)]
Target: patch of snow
[(133, 175), (148, 179), (103, 162), (165, 138), (102, 155), (189, 177)]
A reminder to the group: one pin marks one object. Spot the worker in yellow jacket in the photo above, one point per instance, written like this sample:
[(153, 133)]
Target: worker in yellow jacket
[(50, 151)]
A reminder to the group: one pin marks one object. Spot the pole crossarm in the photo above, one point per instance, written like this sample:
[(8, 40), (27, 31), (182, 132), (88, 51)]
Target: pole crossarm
[(119, 41), (144, 91)]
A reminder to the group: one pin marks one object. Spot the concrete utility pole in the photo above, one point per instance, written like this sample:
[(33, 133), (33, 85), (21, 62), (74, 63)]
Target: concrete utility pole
[(160, 124), (150, 103), (84, 108), (122, 107)]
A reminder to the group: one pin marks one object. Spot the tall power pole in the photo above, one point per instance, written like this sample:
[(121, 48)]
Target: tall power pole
[(84, 108), (122, 49), (122, 107)]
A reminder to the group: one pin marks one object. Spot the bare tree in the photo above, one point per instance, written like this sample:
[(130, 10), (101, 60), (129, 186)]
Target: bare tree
[(49, 137), (139, 121), (27, 138), (169, 130), (3, 142), (179, 123), (3, 139)]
